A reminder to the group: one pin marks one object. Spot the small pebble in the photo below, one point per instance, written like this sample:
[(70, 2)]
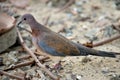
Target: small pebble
[(92, 34), (115, 77), (109, 31), (78, 77), (105, 70)]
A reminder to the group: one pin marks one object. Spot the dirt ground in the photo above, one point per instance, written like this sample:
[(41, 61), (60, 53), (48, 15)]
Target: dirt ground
[(83, 21)]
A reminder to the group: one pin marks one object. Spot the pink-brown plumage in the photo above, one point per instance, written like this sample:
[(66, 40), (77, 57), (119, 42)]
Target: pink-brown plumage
[(55, 44)]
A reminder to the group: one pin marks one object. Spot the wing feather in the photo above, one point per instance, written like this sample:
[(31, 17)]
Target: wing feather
[(57, 45)]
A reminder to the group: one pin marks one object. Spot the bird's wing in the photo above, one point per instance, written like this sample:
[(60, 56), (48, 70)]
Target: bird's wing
[(57, 45)]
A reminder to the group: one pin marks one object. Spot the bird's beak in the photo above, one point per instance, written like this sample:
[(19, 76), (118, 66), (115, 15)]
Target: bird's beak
[(19, 23)]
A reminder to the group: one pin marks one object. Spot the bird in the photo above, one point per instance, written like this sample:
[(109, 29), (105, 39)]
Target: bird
[(54, 44)]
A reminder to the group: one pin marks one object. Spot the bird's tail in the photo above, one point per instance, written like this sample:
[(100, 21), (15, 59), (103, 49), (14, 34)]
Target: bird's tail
[(88, 51), (104, 54)]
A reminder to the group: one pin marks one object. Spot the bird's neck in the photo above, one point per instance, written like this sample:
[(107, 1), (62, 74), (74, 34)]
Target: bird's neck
[(37, 29)]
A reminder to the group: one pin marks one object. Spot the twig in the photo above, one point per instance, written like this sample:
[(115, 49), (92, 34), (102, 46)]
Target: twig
[(45, 20), (20, 65), (41, 75), (107, 40), (66, 5), (24, 57), (11, 76), (35, 58), (116, 26), (43, 58), (26, 30), (24, 64), (88, 44)]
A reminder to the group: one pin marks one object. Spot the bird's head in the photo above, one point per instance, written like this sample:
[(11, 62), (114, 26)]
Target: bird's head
[(27, 18)]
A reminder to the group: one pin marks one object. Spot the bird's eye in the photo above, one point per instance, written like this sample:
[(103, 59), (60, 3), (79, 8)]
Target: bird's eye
[(24, 18)]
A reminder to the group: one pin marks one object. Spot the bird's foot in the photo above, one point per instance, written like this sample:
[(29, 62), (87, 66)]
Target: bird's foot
[(57, 67)]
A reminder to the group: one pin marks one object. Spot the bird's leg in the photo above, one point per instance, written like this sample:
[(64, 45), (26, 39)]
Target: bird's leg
[(57, 67), (57, 63)]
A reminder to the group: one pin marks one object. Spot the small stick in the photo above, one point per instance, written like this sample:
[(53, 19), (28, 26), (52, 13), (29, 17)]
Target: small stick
[(26, 30), (45, 21), (107, 40), (11, 76), (116, 26), (43, 58), (24, 64), (20, 65), (66, 6), (25, 57), (35, 58), (41, 75)]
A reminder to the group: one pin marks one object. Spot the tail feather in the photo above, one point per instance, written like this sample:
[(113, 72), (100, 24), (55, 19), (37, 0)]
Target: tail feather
[(88, 51), (105, 54)]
